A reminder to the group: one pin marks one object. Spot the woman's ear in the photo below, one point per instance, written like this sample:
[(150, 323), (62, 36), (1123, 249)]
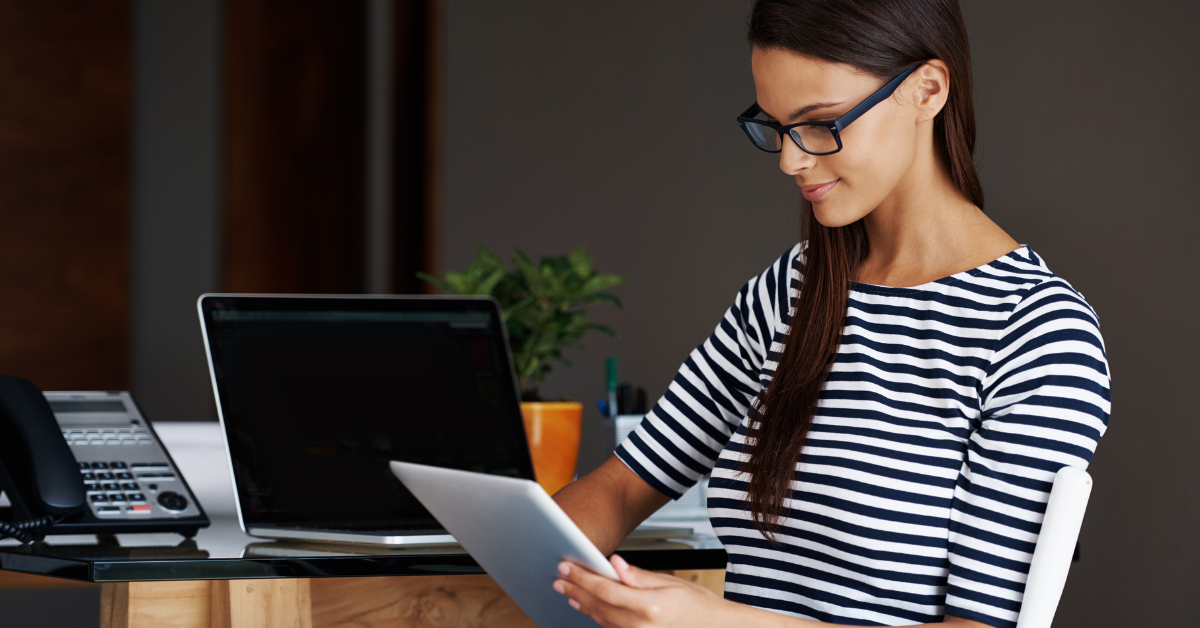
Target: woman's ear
[(928, 89)]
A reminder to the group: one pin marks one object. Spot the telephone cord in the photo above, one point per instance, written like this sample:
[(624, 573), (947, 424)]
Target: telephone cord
[(21, 530)]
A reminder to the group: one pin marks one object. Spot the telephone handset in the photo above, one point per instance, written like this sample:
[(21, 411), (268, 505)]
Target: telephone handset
[(86, 463)]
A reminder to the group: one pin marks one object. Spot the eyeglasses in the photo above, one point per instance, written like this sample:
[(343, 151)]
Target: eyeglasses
[(814, 138)]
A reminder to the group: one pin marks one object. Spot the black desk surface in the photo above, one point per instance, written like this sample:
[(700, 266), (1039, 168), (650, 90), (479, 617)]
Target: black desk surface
[(223, 551)]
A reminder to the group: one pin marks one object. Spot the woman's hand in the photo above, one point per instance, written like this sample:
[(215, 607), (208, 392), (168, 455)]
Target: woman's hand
[(643, 599)]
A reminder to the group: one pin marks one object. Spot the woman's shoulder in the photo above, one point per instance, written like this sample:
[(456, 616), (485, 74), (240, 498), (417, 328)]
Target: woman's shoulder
[(766, 295), (1027, 275)]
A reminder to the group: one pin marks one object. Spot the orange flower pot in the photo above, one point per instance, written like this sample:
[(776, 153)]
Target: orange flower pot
[(553, 430)]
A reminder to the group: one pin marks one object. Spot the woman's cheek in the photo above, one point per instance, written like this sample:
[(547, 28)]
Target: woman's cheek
[(847, 203)]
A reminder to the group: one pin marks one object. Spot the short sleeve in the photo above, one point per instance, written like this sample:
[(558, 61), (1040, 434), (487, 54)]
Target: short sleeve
[(683, 434), (1044, 405)]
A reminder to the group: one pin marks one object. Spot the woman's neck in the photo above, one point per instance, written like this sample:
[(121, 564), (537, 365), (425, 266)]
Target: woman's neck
[(926, 229)]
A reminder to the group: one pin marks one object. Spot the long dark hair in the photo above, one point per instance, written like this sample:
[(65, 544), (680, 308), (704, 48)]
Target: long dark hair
[(883, 38)]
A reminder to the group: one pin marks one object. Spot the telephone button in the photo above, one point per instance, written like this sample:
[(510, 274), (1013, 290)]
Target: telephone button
[(104, 475), (118, 465), (83, 466), (108, 510), (137, 497), (112, 486), (91, 487), (99, 465), (129, 486), (156, 476), (172, 501), (139, 510), (124, 476), (88, 477), (116, 497), (99, 499)]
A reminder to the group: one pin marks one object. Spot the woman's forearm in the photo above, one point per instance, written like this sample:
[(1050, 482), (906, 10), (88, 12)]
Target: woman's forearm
[(608, 503)]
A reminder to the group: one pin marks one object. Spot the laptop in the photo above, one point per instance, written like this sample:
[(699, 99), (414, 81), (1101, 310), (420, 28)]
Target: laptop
[(317, 394)]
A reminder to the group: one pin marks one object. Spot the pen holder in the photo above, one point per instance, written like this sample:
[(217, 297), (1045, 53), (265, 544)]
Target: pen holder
[(553, 429)]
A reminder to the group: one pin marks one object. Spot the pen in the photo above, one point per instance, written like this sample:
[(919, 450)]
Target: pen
[(611, 369)]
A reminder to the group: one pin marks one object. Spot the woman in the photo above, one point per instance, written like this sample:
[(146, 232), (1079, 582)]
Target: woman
[(884, 408)]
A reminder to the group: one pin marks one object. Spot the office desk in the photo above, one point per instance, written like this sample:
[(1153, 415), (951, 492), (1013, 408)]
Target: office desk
[(225, 578)]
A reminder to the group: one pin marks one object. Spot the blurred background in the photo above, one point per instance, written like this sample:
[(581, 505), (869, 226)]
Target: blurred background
[(153, 150)]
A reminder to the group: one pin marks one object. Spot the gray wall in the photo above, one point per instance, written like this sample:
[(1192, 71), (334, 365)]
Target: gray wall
[(176, 206), (611, 125)]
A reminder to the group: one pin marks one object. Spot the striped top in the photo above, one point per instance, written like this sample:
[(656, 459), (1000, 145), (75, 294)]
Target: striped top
[(921, 487)]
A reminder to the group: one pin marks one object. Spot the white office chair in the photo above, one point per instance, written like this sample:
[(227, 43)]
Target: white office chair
[(1055, 547)]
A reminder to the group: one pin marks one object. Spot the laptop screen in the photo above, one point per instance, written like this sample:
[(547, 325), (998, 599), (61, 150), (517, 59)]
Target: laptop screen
[(318, 394)]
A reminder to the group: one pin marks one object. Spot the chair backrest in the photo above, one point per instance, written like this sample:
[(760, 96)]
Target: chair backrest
[(1055, 547)]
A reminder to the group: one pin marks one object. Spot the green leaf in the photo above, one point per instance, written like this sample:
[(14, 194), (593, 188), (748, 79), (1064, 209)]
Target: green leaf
[(543, 305)]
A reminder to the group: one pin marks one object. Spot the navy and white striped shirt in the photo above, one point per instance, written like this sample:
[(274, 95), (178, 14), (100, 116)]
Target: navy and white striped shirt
[(921, 487)]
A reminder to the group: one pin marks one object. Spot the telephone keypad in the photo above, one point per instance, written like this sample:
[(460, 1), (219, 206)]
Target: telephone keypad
[(114, 449)]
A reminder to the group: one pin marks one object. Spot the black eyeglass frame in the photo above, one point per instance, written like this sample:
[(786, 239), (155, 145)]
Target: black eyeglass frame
[(835, 127)]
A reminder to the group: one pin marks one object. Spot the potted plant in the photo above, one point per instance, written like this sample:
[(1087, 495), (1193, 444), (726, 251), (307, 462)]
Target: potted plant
[(544, 307)]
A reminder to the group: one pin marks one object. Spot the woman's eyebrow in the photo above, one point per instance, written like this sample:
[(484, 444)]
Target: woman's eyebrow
[(810, 108)]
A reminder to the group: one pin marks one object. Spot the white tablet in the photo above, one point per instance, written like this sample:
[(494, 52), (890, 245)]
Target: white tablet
[(514, 530)]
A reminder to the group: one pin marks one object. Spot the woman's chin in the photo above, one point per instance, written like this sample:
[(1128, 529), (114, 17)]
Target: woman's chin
[(833, 216)]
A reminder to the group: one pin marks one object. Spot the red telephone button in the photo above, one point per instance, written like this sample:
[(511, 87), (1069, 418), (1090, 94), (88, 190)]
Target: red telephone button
[(139, 508)]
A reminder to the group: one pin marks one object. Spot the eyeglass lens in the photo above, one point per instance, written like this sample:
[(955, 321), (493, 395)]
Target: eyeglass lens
[(812, 138), (815, 138)]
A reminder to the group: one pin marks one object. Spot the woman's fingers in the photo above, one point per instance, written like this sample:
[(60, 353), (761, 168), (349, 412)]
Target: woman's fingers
[(640, 578), (610, 591), (593, 606)]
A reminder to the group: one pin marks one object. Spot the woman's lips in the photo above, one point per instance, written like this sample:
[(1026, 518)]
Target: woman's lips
[(817, 191)]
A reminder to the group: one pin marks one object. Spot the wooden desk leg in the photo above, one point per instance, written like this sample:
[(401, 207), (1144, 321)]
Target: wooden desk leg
[(162, 604), (414, 602), (444, 601), (206, 604), (254, 603)]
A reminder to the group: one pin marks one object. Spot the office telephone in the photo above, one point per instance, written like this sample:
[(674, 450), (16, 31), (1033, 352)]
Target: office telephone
[(86, 463)]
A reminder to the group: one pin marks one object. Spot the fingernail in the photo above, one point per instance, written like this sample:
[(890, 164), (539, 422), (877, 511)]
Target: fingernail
[(558, 586), (564, 568), (574, 604), (620, 561)]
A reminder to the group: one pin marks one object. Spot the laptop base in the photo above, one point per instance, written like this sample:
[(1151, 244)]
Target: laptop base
[(398, 539)]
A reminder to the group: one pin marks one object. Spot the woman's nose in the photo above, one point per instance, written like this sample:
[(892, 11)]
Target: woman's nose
[(792, 160)]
